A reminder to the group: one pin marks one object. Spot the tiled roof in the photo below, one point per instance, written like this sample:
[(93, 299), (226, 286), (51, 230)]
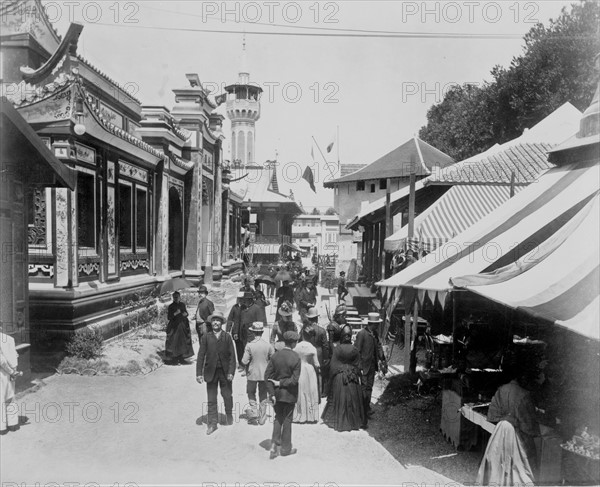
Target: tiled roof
[(122, 134), (398, 163), (346, 169), (526, 160), (105, 76)]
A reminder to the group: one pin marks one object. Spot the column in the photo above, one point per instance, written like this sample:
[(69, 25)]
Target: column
[(217, 242), (65, 238), (193, 237), (162, 227)]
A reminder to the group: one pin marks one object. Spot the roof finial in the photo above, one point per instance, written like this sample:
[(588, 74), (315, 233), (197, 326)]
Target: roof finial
[(244, 75)]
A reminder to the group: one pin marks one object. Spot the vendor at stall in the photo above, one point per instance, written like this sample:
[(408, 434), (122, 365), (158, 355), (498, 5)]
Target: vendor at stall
[(510, 456)]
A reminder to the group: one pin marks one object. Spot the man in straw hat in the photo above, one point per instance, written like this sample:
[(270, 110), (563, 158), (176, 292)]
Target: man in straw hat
[(371, 352), (282, 375), (256, 358), (216, 366)]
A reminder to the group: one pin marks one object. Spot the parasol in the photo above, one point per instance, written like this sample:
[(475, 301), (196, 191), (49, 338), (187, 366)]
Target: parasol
[(175, 284), (262, 279), (283, 275)]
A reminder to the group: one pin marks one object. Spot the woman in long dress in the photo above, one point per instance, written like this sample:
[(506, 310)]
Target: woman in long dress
[(178, 346), (8, 373), (307, 406), (344, 410)]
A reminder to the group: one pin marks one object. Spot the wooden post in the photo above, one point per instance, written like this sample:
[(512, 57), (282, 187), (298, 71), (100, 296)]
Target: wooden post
[(413, 343), (411, 199), (512, 184), (407, 329)]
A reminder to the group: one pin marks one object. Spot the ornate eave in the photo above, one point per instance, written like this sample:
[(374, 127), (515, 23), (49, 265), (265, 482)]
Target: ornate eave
[(118, 132), (179, 165)]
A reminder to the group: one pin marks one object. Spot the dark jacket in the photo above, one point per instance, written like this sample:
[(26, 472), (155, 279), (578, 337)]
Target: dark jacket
[(210, 349), (370, 350), (234, 319), (203, 311), (307, 298), (284, 366), (320, 341)]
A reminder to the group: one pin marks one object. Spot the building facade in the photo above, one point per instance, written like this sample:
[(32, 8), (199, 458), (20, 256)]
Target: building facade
[(149, 202)]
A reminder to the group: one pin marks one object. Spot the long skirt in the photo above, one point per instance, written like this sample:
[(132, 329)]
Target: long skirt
[(9, 414), (345, 408), (307, 406), (179, 339)]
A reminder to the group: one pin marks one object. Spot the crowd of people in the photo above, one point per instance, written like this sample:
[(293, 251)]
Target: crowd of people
[(305, 371)]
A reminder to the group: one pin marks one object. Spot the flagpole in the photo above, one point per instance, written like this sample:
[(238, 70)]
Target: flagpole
[(322, 155), (338, 145)]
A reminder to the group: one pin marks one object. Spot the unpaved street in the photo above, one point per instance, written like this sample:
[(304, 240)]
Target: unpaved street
[(149, 430)]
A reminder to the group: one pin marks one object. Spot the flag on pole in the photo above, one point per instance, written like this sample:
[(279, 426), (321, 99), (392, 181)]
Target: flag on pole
[(312, 153), (308, 176), (330, 145), (220, 99)]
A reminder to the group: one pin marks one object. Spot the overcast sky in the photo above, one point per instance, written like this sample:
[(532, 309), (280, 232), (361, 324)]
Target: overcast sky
[(377, 90)]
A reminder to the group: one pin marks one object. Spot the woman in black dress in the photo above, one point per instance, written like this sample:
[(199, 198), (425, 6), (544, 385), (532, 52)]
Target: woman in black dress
[(344, 410), (178, 346)]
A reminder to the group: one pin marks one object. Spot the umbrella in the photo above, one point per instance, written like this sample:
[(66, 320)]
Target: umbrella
[(262, 279), (283, 275), (175, 284)]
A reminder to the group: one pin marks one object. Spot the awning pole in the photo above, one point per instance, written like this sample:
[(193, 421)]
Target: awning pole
[(413, 345), (407, 350)]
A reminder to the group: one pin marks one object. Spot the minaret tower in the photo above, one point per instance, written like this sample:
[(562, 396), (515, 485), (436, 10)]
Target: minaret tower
[(243, 109)]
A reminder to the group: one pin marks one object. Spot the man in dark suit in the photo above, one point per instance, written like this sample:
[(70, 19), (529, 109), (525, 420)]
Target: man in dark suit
[(371, 352), (317, 336), (216, 366), (282, 375), (205, 308)]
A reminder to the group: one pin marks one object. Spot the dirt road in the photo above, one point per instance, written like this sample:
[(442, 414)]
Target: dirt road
[(149, 430)]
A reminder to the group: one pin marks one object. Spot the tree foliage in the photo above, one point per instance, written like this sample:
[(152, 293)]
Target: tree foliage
[(330, 211), (315, 211), (557, 66)]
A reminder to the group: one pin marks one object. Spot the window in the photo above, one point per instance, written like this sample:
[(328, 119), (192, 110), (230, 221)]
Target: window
[(86, 212), (383, 184), (372, 187), (125, 215), (360, 185), (141, 218)]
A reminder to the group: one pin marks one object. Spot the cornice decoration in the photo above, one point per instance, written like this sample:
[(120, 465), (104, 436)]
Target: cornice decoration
[(182, 163), (113, 129), (25, 94)]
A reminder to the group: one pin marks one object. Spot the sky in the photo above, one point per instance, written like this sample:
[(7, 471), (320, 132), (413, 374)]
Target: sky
[(369, 70)]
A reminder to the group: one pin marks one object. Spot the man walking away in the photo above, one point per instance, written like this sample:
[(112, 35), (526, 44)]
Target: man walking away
[(204, 310), (216, 366), (282, 376), (256, 358)]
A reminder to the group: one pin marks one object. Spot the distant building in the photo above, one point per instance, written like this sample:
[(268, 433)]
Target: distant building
[(320, 232), (355, 190)]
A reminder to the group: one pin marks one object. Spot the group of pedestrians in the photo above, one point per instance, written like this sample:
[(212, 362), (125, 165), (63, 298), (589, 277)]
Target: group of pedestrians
[(302, 364)]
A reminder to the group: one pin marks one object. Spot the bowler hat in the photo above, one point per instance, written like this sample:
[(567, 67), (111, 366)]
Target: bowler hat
[(218, 315), (291, 336), (312, 312), (374, 318), (203, 289), (257, 327)]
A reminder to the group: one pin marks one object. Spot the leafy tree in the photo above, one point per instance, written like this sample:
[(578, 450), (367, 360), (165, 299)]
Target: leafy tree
[(331, 211), (315, 211), (557, 66)]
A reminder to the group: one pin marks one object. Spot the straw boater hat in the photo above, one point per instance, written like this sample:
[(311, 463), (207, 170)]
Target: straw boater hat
[(374, 318), (217, 314), (340, 310), (312, 312), (257, 327)]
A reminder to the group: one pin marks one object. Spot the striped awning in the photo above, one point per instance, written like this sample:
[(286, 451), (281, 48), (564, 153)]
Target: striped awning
[(557, 281), (519, 229), (453, 213)]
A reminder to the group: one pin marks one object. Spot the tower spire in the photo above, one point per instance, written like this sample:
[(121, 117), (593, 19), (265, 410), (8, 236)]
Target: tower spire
[(244, 75)]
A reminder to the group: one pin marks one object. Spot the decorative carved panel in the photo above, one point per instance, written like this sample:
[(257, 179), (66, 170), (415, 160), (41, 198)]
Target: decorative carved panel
[(36, 231)]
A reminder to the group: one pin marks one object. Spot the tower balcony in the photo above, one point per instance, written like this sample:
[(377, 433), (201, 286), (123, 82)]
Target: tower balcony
[(243, 109)]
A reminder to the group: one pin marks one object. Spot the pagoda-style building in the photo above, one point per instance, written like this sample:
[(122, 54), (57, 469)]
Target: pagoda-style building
[(148, 203)]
